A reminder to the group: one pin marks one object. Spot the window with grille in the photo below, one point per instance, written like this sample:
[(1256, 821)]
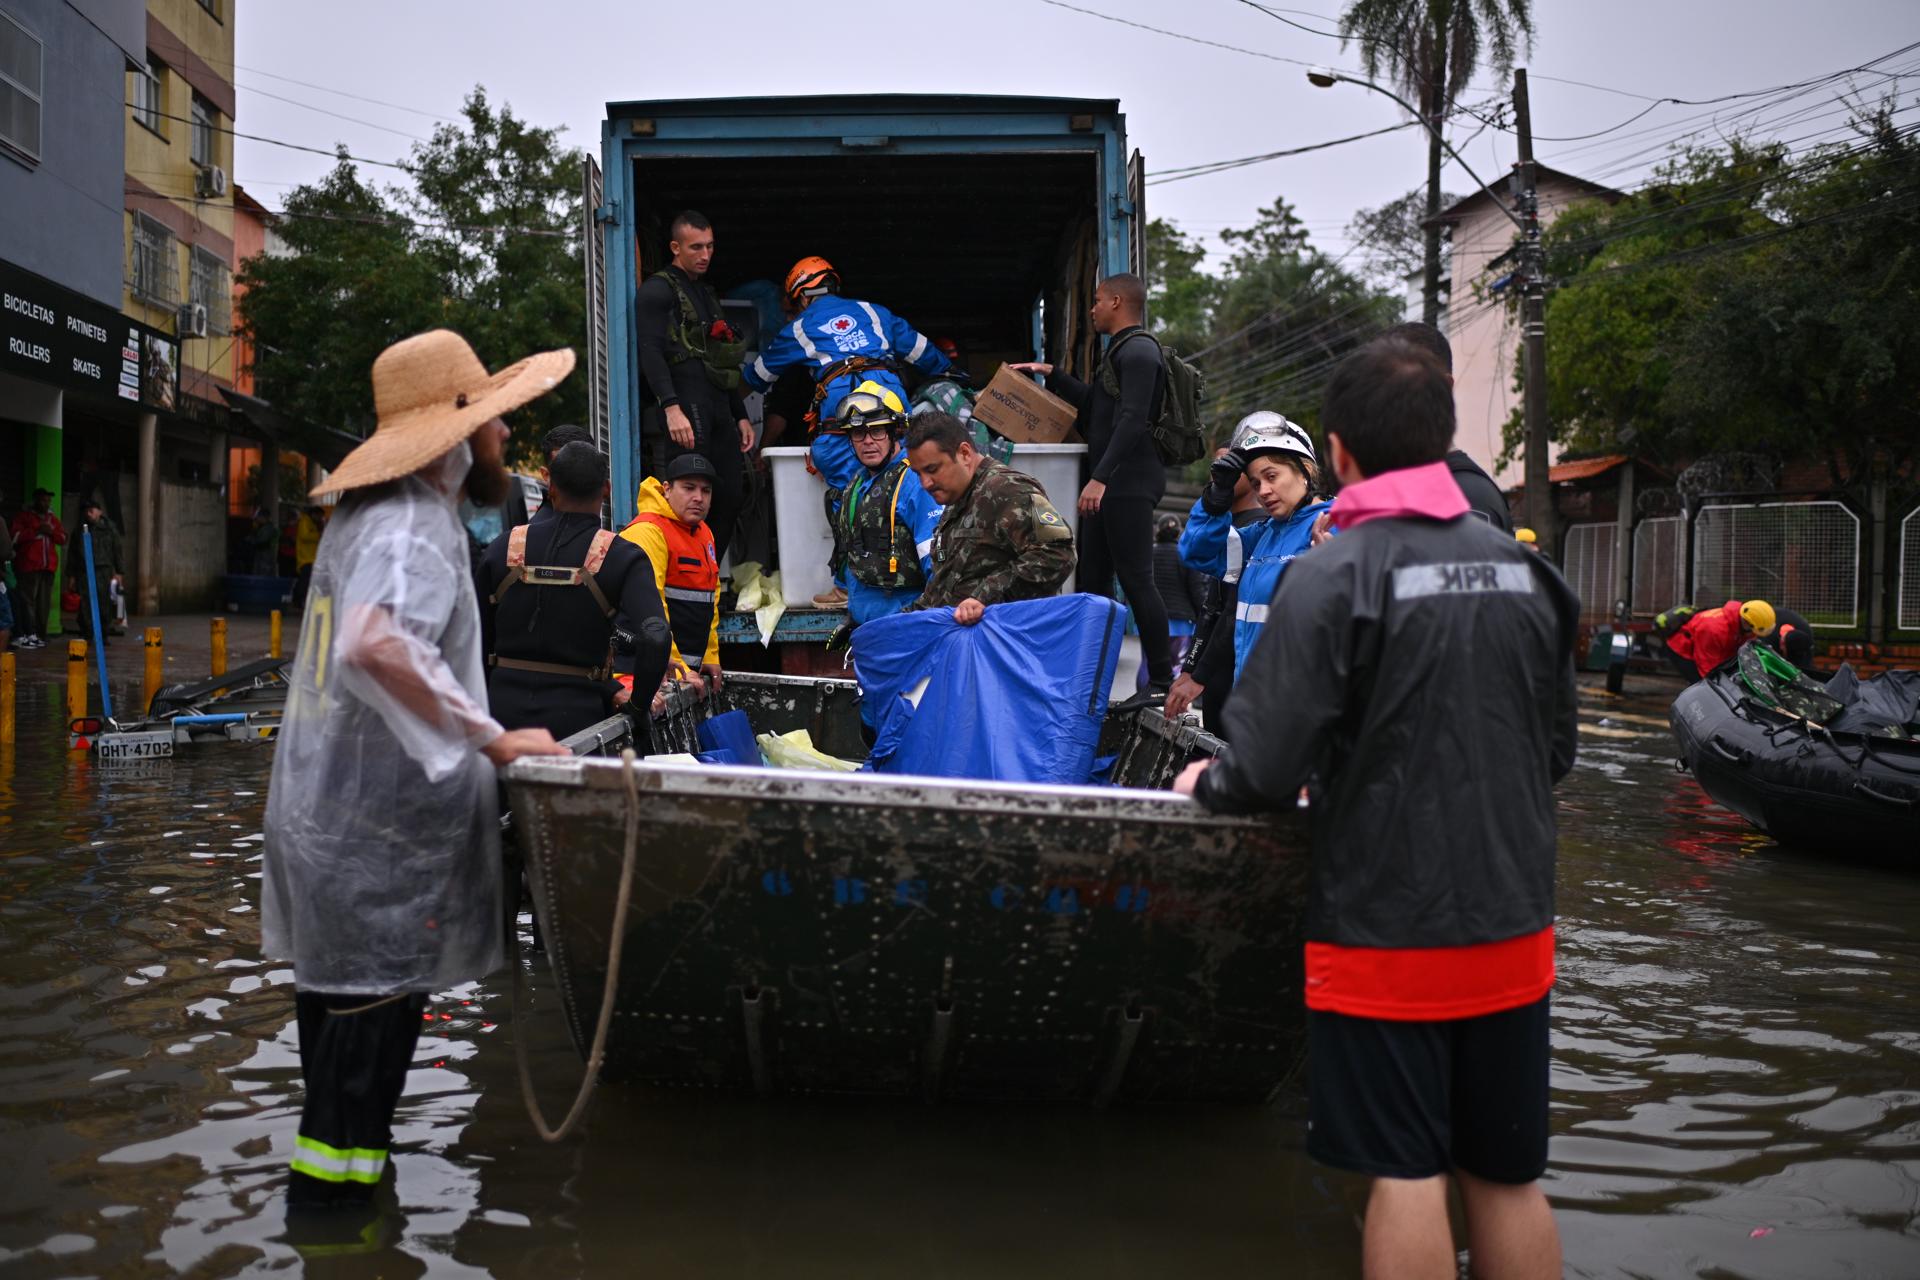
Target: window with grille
[(20, 88), (153, 276), (1907, 602), (205, 153), (149, 97), (208, 287)]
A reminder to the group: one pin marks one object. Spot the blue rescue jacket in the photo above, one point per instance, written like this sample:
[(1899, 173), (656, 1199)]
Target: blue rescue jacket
[(917, 511), (1254, 556)]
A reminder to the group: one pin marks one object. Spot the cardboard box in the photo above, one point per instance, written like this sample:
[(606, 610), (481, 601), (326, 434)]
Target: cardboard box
[(1015, 406)]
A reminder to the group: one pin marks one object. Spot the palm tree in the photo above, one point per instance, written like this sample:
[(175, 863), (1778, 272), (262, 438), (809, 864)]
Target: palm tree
[(1430, 49)]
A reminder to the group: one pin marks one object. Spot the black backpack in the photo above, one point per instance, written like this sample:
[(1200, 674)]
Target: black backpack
[(1175, 428)]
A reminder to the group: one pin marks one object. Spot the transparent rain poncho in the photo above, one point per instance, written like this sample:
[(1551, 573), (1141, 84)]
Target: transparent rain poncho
[(382, 866)]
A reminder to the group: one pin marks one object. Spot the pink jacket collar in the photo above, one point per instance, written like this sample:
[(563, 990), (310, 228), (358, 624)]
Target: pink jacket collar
[(1429, 492)]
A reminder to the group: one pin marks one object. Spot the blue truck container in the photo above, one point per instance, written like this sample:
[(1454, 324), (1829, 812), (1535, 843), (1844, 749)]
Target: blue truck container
[(986, 219)]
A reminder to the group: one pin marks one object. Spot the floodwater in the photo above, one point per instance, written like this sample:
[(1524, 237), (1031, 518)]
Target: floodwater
[(1736, 1071)]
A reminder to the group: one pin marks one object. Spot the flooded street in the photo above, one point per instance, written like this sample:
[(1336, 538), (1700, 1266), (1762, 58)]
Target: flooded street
[(1736, 1081)]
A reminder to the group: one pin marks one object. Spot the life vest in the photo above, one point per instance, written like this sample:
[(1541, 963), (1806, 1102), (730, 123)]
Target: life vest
[(692, 339), (693, 575), (879, 545), (582, 575)]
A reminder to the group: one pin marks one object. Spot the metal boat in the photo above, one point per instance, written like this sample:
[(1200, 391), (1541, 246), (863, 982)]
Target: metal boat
[(794, 932)]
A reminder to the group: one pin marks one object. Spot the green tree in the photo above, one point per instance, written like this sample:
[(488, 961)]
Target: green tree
[(350, 286), (1750, 302), (1808, 341), (1391, 239), (1430, 49), (1179, 294), (485, 241), (1284, 315)]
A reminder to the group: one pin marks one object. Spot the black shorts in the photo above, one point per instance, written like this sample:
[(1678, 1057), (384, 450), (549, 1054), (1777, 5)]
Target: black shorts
[(1416, 1099)]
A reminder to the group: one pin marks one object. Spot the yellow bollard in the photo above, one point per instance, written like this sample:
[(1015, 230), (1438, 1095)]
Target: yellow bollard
[(6, 697), (76, 679), (219, 641), (273, 635), (156, 666)]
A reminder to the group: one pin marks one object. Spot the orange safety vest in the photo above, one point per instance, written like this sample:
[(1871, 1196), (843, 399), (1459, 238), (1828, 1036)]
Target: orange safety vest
[(693, 576)]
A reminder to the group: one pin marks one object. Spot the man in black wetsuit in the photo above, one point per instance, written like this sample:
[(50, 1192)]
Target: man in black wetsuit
[(690, 360), (552, 592), (1483, 496), (1126, 477)]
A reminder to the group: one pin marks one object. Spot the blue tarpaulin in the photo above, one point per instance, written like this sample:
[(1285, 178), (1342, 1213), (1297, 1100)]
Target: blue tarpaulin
[(1017, 697)]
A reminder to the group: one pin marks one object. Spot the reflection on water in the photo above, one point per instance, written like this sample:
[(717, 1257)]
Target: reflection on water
[(1736, 1070)]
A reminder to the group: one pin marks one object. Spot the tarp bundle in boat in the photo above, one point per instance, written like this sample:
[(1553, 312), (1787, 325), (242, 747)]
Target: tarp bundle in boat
[(1017, 697)]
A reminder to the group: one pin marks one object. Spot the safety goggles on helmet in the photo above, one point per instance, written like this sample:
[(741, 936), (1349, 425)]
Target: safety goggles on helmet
[(1267, 432), (866, 407)]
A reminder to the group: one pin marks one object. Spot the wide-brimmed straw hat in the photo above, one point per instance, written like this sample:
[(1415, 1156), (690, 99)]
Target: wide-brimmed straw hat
[(430, 392)]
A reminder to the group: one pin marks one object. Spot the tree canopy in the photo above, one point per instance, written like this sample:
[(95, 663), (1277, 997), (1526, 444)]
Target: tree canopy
[(1269, 328), (1746, 300), (484, 240)]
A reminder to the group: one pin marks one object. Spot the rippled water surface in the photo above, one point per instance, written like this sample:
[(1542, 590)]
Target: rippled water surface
[(1736, 1071)]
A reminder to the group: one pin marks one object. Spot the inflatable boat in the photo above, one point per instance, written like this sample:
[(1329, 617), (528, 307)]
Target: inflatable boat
[(1833, 768)]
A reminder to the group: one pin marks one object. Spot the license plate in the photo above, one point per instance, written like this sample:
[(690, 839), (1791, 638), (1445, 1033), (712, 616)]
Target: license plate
[(134, 746)]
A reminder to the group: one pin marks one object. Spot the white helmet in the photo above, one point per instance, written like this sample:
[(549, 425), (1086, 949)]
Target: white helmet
[(1265, 431)]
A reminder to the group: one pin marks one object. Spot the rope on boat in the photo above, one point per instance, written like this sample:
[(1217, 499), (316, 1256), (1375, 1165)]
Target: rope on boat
[(629, 763)]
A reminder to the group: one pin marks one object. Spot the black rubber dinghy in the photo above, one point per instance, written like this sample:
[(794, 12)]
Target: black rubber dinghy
[(1831, 768)]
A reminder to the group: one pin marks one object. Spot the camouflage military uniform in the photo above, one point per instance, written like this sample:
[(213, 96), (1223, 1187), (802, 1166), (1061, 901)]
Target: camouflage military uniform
[(1001, 541)]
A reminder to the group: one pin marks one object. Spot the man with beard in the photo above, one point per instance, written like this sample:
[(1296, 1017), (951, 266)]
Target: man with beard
[(382, 859), (690, 358)]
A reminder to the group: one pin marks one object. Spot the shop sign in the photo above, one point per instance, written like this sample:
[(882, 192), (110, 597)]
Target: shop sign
[(64, 339)]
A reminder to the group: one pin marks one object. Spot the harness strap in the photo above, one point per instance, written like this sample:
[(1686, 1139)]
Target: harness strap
[(840, 369), (553, 668)]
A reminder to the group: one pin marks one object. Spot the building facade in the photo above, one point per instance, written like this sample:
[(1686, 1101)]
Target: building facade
[(1482, 327), (68, 356)]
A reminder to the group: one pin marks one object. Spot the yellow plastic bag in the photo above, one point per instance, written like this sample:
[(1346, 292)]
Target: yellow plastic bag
[(749, 587), (796, 751), (773, 603)]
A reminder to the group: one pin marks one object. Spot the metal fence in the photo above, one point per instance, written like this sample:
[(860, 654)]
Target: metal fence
[(1906, 613), (1587, 560), (1803, 553), (1659, 564)]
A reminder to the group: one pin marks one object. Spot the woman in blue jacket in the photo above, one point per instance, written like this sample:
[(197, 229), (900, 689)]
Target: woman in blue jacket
[(1276, 456)]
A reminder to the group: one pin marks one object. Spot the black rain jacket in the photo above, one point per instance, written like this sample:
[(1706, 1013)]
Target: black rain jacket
[(1420, 672)]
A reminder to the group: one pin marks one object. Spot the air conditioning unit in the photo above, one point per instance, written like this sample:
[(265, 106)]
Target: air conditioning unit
[(193, 320), (210, 181)]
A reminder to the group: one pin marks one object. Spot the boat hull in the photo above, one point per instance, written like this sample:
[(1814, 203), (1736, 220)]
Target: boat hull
[(804, 933), (1839, 794)]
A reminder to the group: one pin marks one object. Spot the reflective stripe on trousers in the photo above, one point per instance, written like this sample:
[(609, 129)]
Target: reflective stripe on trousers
[(337, 1164), (1254, 613)]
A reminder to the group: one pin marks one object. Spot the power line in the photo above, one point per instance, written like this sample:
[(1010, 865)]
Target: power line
[(1179, 35), (381, 220), (254, 137), (1221, 166), (308, 106)]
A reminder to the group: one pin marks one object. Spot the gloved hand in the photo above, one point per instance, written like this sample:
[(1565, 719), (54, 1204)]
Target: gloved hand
[(1222, 476), (841, 638)]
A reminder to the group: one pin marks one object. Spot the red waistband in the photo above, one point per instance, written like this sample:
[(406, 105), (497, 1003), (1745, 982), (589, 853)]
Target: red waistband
[(1429, 984)]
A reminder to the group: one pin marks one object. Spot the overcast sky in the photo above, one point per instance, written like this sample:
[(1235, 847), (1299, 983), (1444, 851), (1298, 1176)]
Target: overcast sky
[(560, 62)]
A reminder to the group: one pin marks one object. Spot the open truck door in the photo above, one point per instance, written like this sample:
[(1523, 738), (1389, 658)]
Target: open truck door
[(593, 253), (1136, 219)]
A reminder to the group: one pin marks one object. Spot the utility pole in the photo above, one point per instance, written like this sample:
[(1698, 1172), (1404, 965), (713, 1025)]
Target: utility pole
[(1541, 516)]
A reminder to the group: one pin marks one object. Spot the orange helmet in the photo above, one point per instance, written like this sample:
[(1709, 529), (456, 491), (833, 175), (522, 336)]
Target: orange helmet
[(810, 275)]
